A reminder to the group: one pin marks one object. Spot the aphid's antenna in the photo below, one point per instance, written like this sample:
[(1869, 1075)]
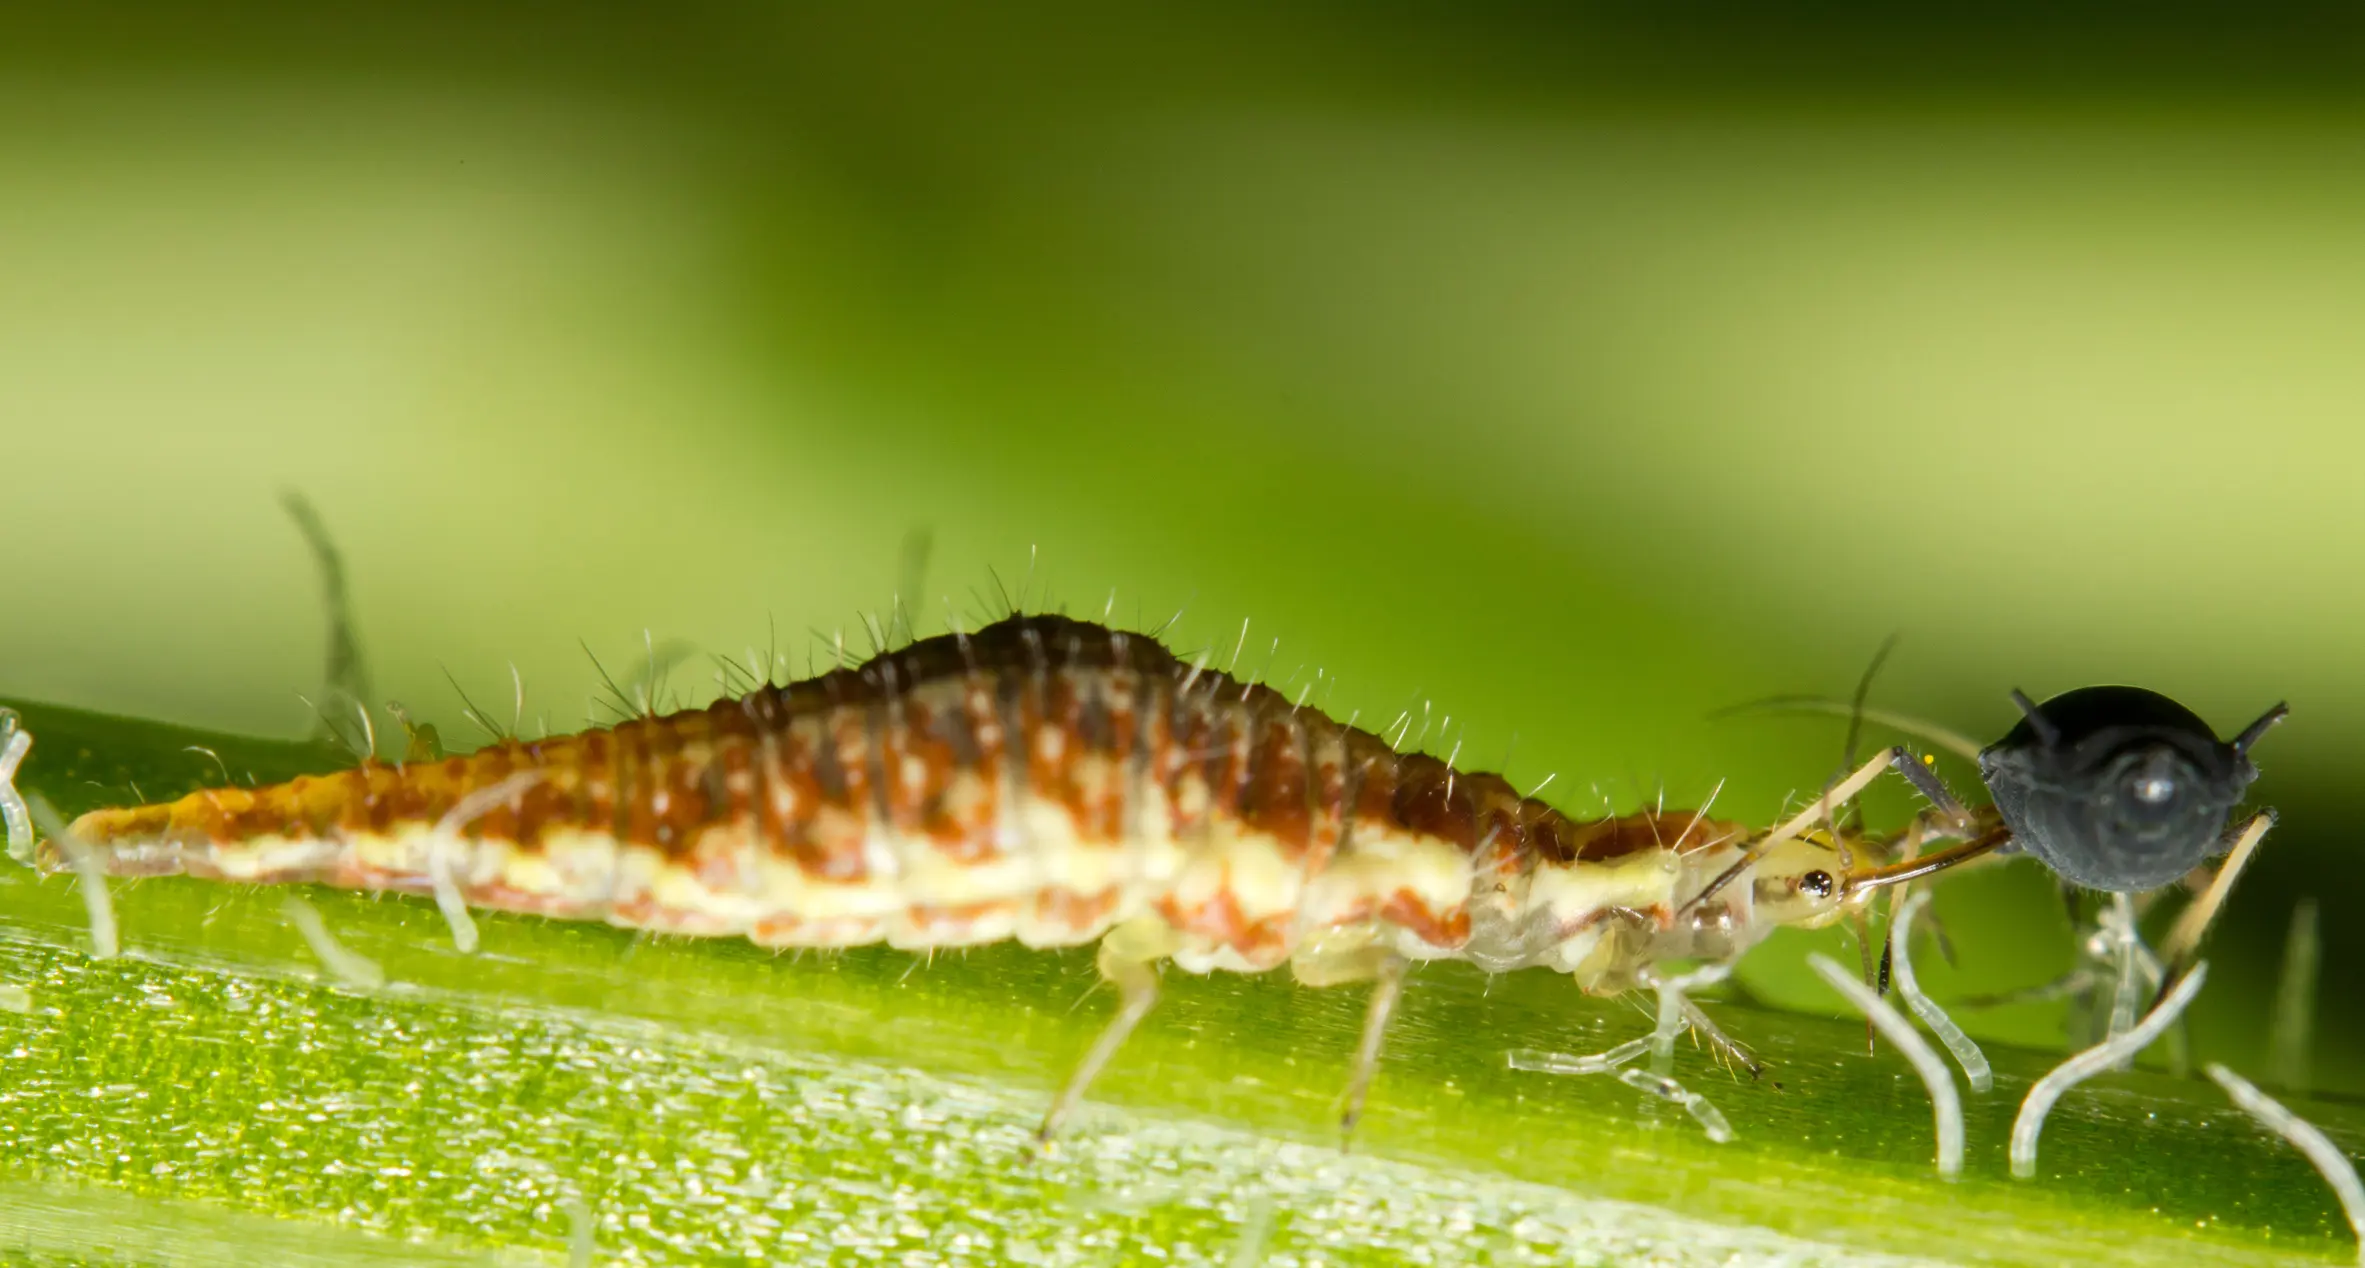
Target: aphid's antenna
[(1916, 868), (2265, 723), (347, 674), (1920, 728), (1876, 976), (1806, 819), (2047, 734), (1863, 690)]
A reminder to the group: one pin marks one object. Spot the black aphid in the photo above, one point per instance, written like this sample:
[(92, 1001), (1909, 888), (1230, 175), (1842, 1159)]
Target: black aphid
[(2119, 788)]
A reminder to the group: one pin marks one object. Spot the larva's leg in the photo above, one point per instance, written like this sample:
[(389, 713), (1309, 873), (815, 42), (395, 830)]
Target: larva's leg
[(1352, 959), (1128, 958), (1386, 989), (1723, 1044), (1672, 1006)]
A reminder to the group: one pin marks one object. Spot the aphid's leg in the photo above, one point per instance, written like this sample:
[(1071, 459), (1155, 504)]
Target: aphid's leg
[(344, 964), (1128, 957), (2184, 937), (15, 742), (2078, 981), (1538, 1061), (1946, 1106), (90, 870), (1966, 1053), (2121, 923), (2093, 1061), (1667, 1089), (2330, 1160), (2295, 1001)]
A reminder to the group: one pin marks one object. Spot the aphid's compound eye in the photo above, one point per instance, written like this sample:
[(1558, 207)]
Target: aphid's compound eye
[(1817, 883)]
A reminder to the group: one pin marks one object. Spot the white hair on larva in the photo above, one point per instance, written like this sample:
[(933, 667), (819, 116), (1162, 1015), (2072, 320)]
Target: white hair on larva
[(1966, 1053), (2308, 1139), (1946, 1106), (88, 870), (443, 843), (2091, 1062), (346, 965)]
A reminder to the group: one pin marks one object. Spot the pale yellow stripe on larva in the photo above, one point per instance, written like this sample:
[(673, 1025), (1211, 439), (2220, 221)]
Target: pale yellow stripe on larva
[(1572, 892), (1379, 863)]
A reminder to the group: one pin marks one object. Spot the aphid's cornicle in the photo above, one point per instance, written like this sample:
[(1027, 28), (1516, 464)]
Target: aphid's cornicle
[(1044, 779)]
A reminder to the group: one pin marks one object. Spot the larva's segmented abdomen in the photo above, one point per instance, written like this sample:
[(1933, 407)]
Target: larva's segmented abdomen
[(1044, 779)]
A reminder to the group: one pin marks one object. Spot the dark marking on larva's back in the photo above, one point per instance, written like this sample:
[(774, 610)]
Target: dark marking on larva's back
[(1062, 712)]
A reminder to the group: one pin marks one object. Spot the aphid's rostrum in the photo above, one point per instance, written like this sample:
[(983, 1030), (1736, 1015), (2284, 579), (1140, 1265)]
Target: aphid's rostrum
[(1044, 779)]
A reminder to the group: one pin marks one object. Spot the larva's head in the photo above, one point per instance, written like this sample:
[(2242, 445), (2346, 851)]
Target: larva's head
[(1814, 879), (1805, 882)]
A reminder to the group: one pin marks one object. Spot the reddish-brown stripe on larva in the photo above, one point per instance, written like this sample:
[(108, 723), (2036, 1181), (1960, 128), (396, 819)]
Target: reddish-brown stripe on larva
[(934, 754)]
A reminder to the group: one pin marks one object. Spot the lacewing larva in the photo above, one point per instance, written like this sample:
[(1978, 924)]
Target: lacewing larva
[(1048, 780)]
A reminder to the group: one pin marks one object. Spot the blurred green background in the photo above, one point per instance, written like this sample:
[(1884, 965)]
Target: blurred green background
[(1579, 370)]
